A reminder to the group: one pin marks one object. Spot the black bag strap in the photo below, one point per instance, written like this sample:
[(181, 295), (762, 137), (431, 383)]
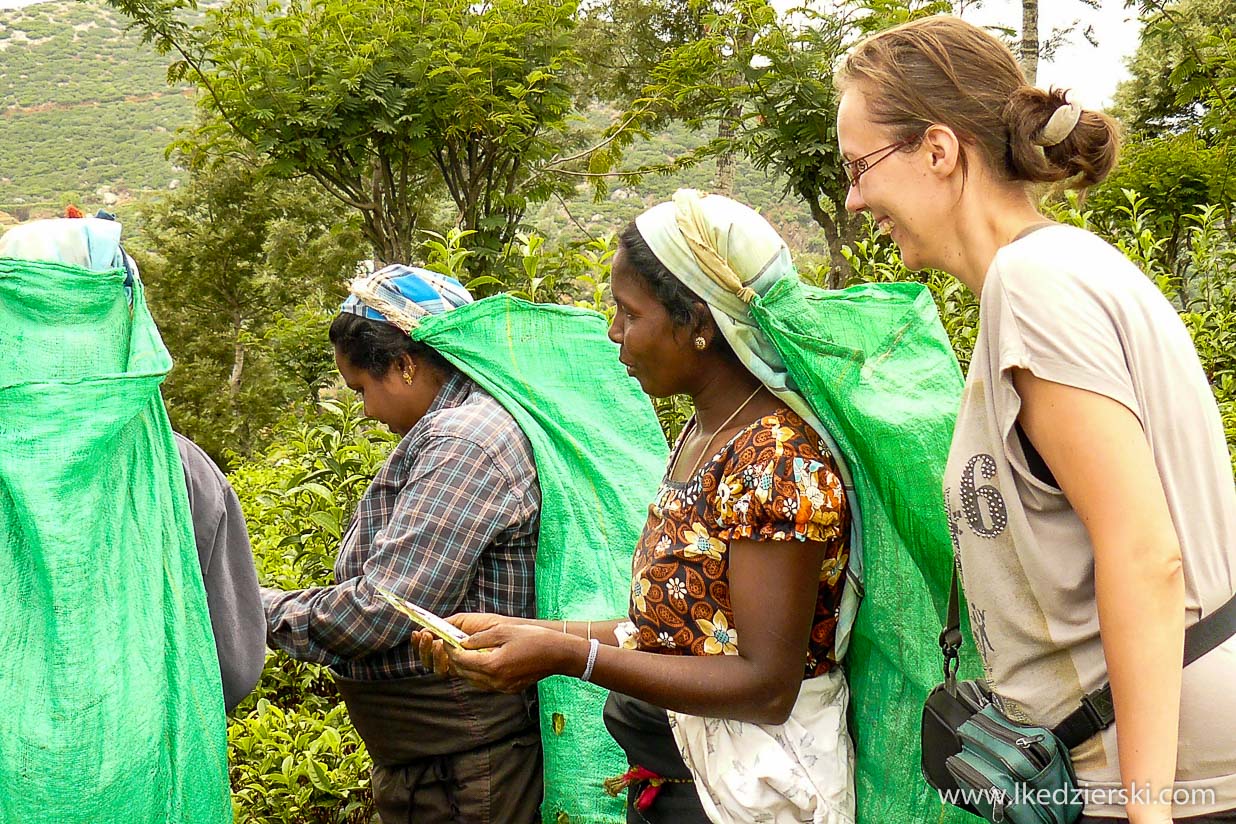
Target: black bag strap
[(950, 637), (1096, 712)]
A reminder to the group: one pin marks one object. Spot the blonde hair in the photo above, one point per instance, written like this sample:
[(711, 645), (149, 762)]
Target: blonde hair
[(944, 70)]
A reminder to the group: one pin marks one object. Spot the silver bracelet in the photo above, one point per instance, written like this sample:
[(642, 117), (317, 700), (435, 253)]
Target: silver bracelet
[(593, 646)]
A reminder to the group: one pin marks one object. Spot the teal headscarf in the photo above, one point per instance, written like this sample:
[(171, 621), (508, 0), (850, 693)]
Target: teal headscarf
[(726, 254)]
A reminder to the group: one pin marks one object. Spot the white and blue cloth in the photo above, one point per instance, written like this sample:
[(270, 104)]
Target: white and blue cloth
[(401, 295)]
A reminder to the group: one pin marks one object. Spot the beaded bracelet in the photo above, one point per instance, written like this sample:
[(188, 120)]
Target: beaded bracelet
[(593, 646)]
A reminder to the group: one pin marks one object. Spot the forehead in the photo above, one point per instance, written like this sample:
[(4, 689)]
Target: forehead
[(346, 368), (855, 129), (626, 284)]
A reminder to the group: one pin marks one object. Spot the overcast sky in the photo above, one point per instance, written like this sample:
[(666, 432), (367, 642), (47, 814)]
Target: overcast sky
[(1091, 72)]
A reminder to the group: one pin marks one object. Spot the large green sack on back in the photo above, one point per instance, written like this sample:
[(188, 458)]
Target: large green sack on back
[(876, 367), (111, 707), (600, 455)]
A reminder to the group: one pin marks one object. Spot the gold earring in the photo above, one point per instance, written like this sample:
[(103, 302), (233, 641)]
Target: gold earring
[(408, 375), (700, 343)]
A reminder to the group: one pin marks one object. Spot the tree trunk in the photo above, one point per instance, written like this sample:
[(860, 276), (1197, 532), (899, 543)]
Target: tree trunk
[(1030, 39), (238, 366), (723, 183), (838, 265)]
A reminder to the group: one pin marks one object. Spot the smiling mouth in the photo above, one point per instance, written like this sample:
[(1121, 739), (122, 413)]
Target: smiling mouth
[(885, 225)]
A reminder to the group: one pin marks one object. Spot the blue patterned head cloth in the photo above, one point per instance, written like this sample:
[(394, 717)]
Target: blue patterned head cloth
[(402, 295)]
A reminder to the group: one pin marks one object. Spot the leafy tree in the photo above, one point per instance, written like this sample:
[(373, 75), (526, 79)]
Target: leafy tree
[(650, 30), (384, 102), (620, 41), (1194, 98), (244, 273), (1179, 174), (1184, 66), (781, 111)]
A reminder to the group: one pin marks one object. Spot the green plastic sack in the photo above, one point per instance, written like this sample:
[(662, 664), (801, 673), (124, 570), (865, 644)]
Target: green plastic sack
[(111, 707), (600, 455), (876, 367)]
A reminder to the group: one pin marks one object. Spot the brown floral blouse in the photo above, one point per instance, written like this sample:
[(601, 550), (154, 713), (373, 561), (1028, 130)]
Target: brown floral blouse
[(775, 481)]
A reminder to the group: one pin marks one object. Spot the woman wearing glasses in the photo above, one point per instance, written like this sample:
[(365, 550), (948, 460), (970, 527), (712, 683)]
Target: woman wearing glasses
[(1089, 485)]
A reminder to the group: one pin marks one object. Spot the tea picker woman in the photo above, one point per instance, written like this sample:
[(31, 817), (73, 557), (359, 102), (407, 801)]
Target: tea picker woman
[(449, 523)]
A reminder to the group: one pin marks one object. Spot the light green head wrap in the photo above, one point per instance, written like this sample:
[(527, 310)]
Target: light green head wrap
[(727, 254)]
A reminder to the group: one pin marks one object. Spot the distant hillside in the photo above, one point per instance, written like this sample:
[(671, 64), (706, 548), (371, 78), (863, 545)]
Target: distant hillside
[(764, 192), (85, 110), (86, 114)]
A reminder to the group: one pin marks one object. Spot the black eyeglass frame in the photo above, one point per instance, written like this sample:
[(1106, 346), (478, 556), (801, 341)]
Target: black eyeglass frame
[(861, 165)]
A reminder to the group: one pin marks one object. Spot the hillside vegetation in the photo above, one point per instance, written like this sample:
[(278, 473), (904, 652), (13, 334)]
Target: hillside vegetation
[(588, 217), (86, 116), (85, 109)]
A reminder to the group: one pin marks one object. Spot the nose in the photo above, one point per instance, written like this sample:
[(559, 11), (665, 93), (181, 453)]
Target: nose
[(854, 199), (615, 329)]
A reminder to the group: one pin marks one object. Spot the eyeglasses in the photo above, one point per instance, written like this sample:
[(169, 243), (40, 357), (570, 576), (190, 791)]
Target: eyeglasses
[(856, 168)]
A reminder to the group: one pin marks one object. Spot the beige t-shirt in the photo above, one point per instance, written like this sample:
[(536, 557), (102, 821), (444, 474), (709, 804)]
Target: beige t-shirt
[(1065, 305)]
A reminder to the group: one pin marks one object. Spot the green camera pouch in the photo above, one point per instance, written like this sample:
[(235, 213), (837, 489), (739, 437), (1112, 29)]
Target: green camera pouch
[(1014, 773)]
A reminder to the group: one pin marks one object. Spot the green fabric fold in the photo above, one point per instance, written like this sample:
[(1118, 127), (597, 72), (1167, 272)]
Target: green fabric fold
[(112, 707), (600, 456)]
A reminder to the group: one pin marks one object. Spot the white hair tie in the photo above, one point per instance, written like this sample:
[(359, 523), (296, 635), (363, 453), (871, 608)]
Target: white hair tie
[(1060, 125)]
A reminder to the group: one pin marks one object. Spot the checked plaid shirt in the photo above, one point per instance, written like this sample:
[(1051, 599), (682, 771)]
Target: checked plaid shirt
[(449, 523)]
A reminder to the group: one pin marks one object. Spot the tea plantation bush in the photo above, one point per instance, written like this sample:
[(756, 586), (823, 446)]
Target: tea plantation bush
[(295, 758)]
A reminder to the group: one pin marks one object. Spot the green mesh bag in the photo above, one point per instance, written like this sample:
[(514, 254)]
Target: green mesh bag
[(600, 455), (876, 367), (111, 708)]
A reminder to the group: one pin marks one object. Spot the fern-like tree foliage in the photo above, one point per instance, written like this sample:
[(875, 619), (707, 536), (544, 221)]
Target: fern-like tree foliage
[(386, 103)]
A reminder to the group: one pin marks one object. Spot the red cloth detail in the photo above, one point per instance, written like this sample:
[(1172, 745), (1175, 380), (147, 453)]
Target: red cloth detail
[(644, 800), (638, 773), (649, 794), (73, 211)]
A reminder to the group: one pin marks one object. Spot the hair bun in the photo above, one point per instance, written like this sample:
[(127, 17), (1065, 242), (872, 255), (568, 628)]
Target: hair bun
[(1053, 139), (942, 69)]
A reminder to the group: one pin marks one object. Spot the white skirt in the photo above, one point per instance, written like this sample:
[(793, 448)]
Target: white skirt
[(799, 771)]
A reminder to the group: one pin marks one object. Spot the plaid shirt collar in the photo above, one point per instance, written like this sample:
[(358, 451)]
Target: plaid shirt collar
[(457, 387)]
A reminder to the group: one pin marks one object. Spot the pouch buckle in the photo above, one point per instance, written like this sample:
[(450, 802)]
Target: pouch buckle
[(1099, 708), (950, 647)]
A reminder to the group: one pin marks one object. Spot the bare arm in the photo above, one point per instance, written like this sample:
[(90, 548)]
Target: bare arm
[(417, 555), (475, 622), (773, 591), (1097, 450)]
